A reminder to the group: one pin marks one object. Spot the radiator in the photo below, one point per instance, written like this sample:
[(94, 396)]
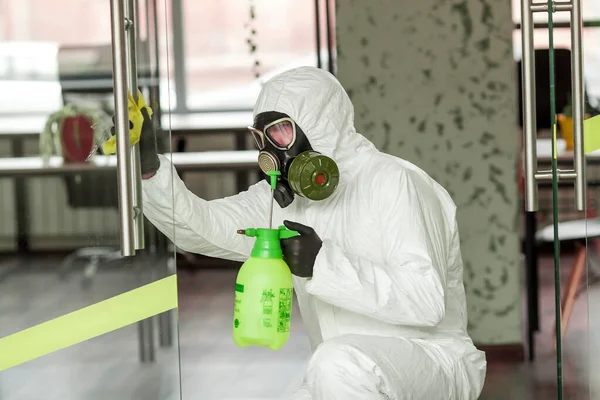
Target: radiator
[(54, 225)]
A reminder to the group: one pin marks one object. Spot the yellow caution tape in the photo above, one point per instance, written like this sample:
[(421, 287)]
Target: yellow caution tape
[(89, 322)]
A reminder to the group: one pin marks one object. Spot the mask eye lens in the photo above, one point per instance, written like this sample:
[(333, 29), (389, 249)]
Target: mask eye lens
[(281, 133)]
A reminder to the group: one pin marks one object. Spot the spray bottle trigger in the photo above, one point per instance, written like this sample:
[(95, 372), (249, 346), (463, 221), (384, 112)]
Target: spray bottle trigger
[(285, 233)]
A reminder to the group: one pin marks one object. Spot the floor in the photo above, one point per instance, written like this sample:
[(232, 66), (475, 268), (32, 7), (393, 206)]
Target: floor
[(211, 367), (580, 374)]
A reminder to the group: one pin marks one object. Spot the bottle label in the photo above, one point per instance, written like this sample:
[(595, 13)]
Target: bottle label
[(285, 309), (275, 308), (267, 307), (238, 301)]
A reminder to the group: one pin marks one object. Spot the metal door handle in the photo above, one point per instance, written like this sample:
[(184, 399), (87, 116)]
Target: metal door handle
[(128, 173), (131, 16), (124, 176), (578, 103), (529, 108)]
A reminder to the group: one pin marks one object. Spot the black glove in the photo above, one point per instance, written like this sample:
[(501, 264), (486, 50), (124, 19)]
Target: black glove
[(300, 252), (149, 161)]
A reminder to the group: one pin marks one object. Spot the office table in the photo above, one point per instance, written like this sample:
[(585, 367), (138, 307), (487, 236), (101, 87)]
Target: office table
[(16, 129), (22, 167), (192, 161)]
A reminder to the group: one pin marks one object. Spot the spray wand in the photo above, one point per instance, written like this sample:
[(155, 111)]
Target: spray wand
[(252, 232), (273, 174)]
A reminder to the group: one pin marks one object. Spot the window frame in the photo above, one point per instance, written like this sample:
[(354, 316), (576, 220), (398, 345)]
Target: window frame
[(179, 56)]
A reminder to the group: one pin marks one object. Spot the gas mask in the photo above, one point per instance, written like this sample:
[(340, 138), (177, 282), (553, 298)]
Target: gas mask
[(283, 146)]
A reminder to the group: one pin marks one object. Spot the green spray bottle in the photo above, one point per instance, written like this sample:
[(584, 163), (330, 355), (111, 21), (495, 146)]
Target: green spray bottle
[(264, 291)]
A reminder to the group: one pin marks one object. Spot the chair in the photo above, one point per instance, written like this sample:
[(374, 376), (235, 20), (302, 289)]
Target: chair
[(577, 231), (97, 189), (89, 189)]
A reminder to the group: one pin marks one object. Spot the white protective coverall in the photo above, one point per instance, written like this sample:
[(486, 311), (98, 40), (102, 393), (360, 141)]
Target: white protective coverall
[(385, 309)]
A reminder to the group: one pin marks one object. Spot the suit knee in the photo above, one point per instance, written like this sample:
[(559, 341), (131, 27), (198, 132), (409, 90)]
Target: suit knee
[(342, 369), (339, 358)]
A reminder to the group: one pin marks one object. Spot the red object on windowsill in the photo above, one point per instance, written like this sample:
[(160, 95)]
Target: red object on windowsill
[(77, 139)]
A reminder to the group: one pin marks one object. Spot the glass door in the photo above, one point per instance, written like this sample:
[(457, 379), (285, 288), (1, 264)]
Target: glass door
[(88, 288), (559, 81)]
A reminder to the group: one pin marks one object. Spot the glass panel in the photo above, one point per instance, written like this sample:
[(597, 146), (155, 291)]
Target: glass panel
[(592, 274), (565, 355), (60, 232), (591, 11), (228, 43), (592, 227), (562, 40)]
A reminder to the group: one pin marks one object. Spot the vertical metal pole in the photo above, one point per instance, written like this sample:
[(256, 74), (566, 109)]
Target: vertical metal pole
[(165, 329), (145, 327), (318, 32), (148, 16), (530, 163), (532, 280), (178, 55), (132, 80), (330, 64), (146, 338), (529, 108), (154, 63), (125, 184), (578, 105)]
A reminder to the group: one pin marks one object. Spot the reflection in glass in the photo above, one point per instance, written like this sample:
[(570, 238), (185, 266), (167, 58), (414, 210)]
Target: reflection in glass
[(58, 198)]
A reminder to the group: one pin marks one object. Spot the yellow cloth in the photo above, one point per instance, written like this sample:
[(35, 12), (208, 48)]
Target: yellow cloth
[(135, 116)]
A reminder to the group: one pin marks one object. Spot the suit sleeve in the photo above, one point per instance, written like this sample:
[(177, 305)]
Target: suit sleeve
[(200, 226)]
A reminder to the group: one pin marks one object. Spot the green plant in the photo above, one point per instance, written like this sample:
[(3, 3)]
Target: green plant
[(50, 142), (251, 40)]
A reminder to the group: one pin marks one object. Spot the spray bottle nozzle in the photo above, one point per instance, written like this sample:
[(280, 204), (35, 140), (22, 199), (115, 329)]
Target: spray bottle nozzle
[(273, 174), (248, 232)]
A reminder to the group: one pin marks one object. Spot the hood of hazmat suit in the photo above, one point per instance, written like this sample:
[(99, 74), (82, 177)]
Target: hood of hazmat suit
[(385, 309)]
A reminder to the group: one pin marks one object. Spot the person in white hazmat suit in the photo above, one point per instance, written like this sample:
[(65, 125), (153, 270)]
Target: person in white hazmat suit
[(377, 265)]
